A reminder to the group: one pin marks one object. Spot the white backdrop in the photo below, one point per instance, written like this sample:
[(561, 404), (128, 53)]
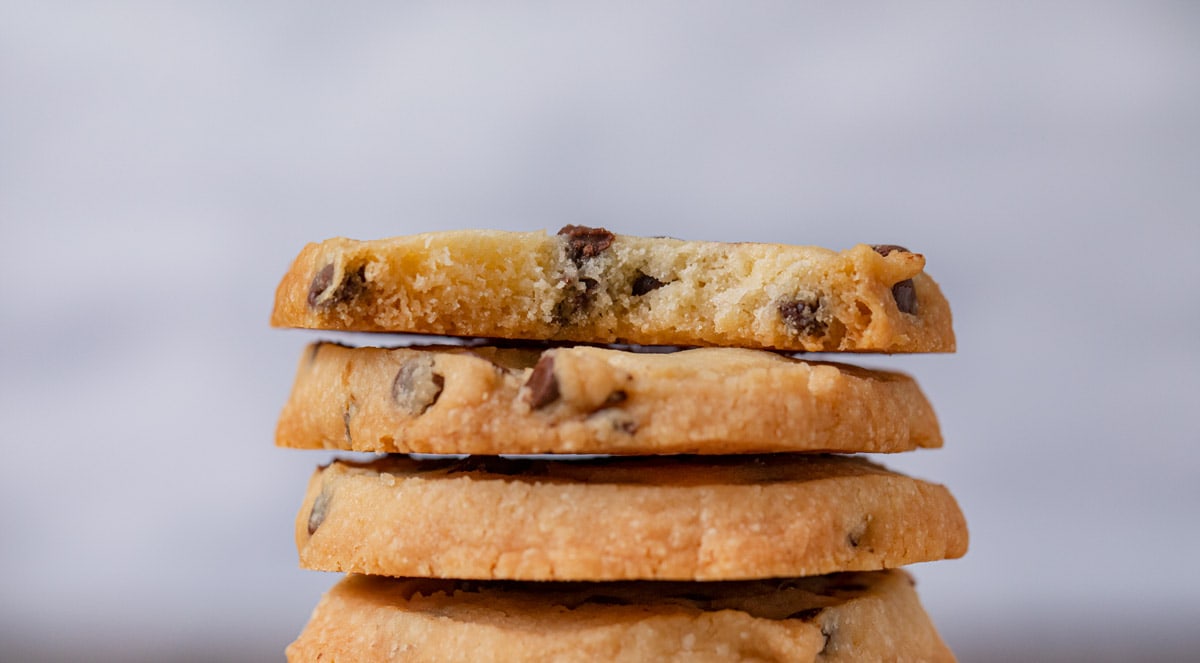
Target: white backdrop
[(161, 163)]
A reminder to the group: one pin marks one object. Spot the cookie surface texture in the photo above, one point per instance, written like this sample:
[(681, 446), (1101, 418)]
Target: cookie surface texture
[(845, 617), (623, 518), (590, 285), (488, 400)]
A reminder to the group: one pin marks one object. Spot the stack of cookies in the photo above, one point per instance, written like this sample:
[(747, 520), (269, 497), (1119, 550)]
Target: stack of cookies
[(578, 487)]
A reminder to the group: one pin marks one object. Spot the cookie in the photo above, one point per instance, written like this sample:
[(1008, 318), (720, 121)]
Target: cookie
[(622, 518), (488, 400), (590, 285), (872, 616)]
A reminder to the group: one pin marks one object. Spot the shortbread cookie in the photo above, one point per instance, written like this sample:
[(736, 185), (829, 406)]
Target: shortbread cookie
[(487, 400), (589, 285), (844, 617), (623, 518)]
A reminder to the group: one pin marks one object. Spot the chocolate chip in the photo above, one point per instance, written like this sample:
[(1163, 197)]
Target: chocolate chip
[(543, 386), (584, 243), (569, 306), (580, 244), (801, 315), (576, 300), (323, 293), (806, 615), (644, 283), (319, 508), (320, 284), (417, 386), (885, 249), (905, 294)]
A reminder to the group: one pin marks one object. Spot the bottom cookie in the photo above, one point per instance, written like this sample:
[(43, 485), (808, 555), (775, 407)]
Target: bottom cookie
[(867, 616)]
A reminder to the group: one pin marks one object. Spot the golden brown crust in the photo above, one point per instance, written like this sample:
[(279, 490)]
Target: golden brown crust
[(677, 517), (487, 400), (619, 289), (845, 617)]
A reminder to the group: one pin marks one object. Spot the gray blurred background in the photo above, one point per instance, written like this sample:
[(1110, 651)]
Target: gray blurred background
[(162, 163)]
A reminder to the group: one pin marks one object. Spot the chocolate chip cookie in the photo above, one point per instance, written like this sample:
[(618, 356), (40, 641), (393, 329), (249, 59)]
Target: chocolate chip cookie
[(872, 616), (623, 518), (590, 285), (489, 400)]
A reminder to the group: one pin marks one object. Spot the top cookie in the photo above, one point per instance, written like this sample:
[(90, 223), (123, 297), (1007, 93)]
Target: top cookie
[(589, 285)]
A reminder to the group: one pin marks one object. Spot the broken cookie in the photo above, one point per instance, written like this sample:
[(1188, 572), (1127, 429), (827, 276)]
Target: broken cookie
[(595, 286)]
